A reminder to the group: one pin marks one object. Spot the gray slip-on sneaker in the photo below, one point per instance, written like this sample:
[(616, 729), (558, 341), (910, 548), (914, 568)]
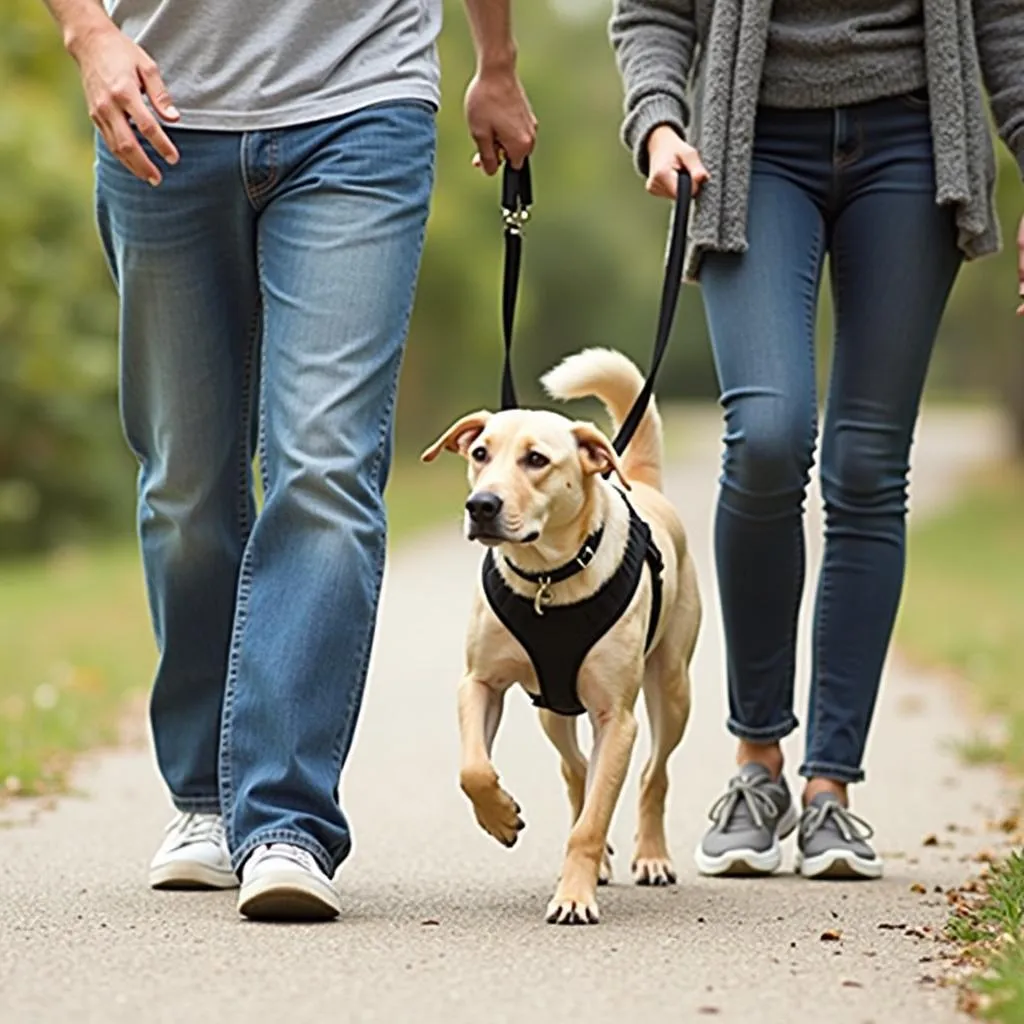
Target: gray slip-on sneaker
[(749, 819), (833, 842)]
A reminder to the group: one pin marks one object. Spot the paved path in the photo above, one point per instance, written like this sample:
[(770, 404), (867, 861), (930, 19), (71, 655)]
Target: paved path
[(442, 925)]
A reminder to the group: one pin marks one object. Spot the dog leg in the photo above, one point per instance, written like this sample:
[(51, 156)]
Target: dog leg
[(575, 900), (480, 708), (667, 697), (561, 730)]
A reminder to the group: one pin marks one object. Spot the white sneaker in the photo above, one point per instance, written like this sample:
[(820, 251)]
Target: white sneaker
[(193, 855), (282, 882)]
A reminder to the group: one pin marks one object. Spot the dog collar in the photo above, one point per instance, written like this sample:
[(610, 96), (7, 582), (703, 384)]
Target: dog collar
[(583, 558)]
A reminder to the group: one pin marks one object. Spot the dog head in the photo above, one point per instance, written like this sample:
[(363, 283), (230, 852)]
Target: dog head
[(529, 471)]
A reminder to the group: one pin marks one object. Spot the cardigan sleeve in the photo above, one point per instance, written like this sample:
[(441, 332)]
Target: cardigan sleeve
[(999, 27), (654, 43)]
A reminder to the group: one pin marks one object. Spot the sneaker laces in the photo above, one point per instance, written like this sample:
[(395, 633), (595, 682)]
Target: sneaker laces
[(286, 851), (851, 827), (760, 805), (193, 827)]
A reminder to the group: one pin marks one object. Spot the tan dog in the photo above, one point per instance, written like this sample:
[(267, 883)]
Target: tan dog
[(537, 494)]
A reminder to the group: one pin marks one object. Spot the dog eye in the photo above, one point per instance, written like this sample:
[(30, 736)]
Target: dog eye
[(479, 453), (536, 461)]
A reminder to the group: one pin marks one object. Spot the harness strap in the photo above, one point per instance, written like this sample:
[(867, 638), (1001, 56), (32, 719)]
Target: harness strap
[(558, 641), (656, 564)]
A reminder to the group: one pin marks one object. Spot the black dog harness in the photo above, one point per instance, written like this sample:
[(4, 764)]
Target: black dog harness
[(558, 637)]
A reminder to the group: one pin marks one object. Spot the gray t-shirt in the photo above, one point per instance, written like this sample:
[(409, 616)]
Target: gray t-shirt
[(245, 65), (830, 53)]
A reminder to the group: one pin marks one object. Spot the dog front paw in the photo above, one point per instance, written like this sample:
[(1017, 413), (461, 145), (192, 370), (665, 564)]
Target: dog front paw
[(569, 910), (496, 812), (656, 871)]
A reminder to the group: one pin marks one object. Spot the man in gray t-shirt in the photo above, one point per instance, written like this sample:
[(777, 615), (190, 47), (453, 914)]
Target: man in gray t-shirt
[(264, 172)]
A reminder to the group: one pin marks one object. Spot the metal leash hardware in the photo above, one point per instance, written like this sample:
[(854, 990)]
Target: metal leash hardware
[(516, 200), (516, 196), (543, 597)]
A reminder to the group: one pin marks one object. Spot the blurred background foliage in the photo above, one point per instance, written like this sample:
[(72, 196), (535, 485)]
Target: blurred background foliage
[(592, 273)]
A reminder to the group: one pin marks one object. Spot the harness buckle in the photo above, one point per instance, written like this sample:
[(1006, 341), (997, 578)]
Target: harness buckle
[(585, 557), (543, 597)]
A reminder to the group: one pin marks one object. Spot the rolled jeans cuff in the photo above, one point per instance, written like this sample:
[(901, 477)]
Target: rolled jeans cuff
[(763, 733), (828, 770)]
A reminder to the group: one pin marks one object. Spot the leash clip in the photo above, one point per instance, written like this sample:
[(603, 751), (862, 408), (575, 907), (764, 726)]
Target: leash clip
[(515, 219), (543, 597), (516, 197)]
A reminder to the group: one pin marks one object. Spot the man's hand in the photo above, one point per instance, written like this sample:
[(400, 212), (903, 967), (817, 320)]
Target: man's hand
[(1020, 266), (499, 118), (667, 155), (116, 74)]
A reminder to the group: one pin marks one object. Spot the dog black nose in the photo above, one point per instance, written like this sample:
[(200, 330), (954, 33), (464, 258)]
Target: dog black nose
[(483, 507)]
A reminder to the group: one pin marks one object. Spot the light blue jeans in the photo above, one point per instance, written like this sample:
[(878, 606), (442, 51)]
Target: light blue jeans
[(266, 288)]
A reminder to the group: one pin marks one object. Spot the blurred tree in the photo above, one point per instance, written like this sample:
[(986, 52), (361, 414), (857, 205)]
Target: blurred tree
[(982, 344), (60, 454), (594, 248), (592, 272)]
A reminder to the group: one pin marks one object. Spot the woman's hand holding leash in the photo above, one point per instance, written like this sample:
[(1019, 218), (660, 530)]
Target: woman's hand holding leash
[(668, 154)]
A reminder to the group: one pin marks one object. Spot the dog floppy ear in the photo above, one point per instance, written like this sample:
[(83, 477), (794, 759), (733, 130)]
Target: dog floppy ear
[(596, 452), (458, 437)]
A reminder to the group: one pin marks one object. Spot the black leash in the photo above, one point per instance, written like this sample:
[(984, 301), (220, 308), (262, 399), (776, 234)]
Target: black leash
[(666, 314), (516, 199)]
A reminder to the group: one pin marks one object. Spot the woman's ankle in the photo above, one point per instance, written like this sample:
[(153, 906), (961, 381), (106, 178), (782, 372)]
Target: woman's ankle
[(816, 786), (767, 754)]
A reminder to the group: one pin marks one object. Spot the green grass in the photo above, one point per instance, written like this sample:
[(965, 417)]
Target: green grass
[(964, 610), (964, 602), (989, 927), (75, 639)]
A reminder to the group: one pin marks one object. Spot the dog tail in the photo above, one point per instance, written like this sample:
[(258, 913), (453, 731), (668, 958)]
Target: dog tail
[(615, 380)]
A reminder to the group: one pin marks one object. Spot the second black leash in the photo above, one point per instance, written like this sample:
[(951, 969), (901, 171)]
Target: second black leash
[(516, 199)]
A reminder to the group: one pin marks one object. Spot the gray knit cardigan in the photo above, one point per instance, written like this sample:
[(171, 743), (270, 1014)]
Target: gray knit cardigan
[(712, 52)]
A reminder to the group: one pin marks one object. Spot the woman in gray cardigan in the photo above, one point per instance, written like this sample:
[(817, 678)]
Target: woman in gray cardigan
[(854, 129)]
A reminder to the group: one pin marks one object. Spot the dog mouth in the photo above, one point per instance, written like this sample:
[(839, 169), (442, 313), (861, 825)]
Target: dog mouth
[(492, 538)]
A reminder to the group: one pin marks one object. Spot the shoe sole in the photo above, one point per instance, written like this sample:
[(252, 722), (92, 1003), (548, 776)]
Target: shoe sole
[(288, 899), (745, 862), (185, 875), (840, 865)]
